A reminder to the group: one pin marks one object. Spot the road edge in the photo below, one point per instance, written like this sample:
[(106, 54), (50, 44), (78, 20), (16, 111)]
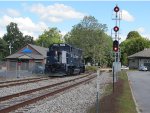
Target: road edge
[(137, 106)]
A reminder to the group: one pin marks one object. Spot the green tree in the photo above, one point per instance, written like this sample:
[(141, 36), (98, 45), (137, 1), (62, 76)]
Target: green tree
[(3, 48), (28, 39), (50, 36), (89, 35), (133, 45), (133, 34), (15, 37)]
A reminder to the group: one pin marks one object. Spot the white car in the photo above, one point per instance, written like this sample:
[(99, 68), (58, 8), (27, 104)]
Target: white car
[(143, 68), (124, 67)]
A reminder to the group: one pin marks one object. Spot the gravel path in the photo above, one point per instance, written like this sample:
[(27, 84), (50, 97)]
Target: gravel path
[(76, 100)]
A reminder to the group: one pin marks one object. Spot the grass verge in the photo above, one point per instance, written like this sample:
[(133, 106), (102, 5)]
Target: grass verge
[(125, 100), (120, 101)]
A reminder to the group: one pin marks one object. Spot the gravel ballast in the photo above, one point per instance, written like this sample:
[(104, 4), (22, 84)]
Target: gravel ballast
[(20, 88), (76, 100)]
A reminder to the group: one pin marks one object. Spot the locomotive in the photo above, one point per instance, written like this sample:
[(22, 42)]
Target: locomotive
[(64, 59)]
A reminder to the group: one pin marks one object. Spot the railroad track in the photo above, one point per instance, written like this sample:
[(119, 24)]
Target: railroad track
[(12, 102), (21, 82)]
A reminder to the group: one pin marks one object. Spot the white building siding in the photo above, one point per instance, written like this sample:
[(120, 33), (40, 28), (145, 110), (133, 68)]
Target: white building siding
[(136, 63)]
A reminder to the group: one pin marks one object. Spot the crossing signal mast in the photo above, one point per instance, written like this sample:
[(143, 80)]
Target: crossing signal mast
[(116, 49)]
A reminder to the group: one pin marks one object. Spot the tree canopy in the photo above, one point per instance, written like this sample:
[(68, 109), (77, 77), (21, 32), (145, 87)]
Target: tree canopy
[(50, 36), (3, 48), (133, 44), (90, 36), (133, 34), (15, 37)]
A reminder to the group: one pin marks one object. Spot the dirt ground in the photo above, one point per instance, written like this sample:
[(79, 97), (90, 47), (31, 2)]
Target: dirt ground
[(108, 104)]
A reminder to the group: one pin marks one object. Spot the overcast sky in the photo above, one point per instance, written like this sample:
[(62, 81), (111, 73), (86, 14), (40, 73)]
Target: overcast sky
[(33, 17)]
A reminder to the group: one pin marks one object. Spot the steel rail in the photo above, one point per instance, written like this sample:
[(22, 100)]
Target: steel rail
[(33, 100), (21, 83), (2, 82), (36, 89)]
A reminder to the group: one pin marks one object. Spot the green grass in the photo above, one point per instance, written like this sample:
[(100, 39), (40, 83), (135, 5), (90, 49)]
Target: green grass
[(123, 103), (125, 100)]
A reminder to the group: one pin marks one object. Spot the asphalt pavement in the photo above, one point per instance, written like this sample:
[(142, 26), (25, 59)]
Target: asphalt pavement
[(140, 84)]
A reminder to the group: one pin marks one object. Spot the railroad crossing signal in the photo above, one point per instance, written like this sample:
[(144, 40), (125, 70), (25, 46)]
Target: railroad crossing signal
[(115, 45)]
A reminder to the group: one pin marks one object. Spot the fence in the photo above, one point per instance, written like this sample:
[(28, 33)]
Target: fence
[(13, 69)]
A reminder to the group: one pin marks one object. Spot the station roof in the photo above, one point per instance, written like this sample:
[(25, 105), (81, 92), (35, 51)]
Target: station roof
[(142, 54), (30, 52)]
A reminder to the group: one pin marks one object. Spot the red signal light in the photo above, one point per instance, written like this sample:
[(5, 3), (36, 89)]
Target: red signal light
[(115, 49), (116, 28), (115, 45), (116, 9)]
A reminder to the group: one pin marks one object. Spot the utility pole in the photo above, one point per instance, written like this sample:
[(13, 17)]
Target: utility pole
[(10, 46)]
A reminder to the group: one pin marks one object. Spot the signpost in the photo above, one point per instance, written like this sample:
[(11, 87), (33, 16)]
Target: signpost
[(97, 92)]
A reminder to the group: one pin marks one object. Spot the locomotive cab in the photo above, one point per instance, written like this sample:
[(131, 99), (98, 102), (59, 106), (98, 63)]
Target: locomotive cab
[(63, 59)]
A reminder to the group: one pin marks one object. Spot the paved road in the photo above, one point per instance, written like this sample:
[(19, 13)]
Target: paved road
[(140, 83)]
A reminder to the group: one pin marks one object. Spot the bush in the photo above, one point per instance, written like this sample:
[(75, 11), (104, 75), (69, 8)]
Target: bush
[(91, 68)]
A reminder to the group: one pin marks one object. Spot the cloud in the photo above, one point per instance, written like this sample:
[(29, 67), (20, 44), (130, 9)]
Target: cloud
[(122, 37), (56, 12), (2, 32), (127, 16), (12, 12), (25, 25), (141, 30), (64, 33)]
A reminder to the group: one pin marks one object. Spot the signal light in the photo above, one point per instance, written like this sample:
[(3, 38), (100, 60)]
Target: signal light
[(116, 28), (115, 46), (116, 9)]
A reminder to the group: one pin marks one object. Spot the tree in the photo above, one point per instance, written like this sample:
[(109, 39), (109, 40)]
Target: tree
[(133, 45), (52, 35), (15, 37), (28, 39), (89, 35), (133, 34), (3, 48)]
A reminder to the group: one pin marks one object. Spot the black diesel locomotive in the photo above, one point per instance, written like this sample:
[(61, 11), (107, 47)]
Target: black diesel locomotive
[(64, 59)]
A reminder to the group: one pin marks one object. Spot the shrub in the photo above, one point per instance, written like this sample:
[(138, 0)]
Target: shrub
[(91, 68)]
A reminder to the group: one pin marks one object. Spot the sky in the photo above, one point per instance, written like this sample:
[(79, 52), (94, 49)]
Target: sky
[(33, 17)]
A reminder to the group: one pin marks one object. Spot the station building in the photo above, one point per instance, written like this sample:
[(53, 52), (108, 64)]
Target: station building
[(140, 58), (28, 57)]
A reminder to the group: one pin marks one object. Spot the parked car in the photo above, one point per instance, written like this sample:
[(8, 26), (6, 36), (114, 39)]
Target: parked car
[(143, 68), (124, 67)]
